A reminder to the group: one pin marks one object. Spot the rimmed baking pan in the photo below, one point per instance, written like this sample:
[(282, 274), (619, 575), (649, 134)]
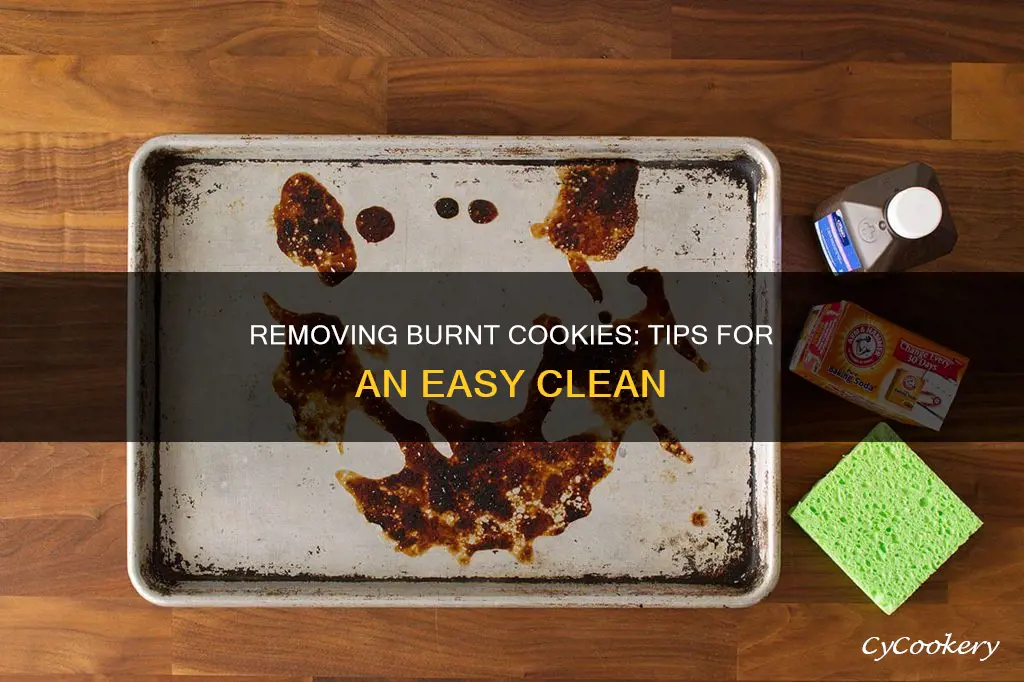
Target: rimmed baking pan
[(250, 521)]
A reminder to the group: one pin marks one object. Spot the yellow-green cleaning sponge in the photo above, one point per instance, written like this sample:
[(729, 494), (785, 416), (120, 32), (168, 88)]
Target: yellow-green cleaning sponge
[(885, 518)]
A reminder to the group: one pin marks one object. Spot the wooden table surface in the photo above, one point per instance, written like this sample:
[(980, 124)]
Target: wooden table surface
[(838, 89)]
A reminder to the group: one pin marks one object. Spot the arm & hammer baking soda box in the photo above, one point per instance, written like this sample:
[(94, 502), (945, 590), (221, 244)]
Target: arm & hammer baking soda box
[(875, 364)]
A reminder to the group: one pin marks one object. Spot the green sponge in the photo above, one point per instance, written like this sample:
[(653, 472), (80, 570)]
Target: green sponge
[(885, 518)]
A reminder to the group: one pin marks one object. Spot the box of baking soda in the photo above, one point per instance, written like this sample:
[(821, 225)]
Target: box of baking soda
[(878, 365)]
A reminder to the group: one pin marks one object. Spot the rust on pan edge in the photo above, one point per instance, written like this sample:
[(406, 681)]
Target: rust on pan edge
[(594, 216), (310, 229), (504, 485)]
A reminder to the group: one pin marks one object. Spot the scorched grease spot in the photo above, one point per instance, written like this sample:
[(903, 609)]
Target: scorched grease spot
[(375, 224), (488, 495), (310, 230), (594, 217), (504, 485)]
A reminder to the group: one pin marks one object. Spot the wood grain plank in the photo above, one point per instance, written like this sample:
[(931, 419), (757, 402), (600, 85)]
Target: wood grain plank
[(417, 679), (987, 408), (66, 242), (151, 95), (988, 101), (634, 97), (802, 252), (59, 557), (59, 172), (564, 643), (65, 205), (836, 30), (983, 183), (244, 27), (992, 568), (972, 172), (151, 678), (41, 635), (824, 641), (61, 480), (422, 679), (498, 28)]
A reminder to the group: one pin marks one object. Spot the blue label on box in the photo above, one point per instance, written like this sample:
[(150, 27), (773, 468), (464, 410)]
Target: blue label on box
[(835, 242)]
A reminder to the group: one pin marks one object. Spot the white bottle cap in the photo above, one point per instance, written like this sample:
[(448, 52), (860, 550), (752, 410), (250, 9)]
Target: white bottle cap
[(914, 213)]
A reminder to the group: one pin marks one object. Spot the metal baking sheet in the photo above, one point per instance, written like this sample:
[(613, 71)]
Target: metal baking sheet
[(263, 524)]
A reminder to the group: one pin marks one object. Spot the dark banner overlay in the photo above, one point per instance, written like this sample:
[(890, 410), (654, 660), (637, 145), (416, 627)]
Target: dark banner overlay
[(669, 357)]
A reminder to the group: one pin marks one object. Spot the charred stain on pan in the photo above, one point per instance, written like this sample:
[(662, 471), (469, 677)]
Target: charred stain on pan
[(174, 178), (311, 231), (185, 570), (320, 382), (744, 569), (172, 188), (482, 211), (594, 216), (738, 570), (375, 224), (446, 207), (162, 170), (504, 485)]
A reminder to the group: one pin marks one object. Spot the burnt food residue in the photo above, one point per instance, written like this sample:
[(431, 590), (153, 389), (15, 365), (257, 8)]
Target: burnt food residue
[(699, 518), (375, 224), (594, 216), (482, 211), (504, 485), (310, 230), (447, 208)]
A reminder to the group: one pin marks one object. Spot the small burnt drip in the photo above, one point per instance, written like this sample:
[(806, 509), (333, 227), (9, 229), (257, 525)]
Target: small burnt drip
[(375, 224), (447, 208), (319, 383), (594, 216), (586, 278), (504, 485), (310, 229), (699, 518), (652, 284), (482, 211), (619, 414)]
